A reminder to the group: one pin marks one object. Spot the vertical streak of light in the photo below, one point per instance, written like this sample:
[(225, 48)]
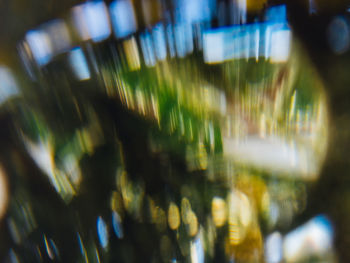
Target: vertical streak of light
[(49, 251), (117, 226), (159, 41), (4, 193), (292, 106), (13, 257), (197, 251), (102, 232), (82, 249), (123, 18), (132, 54), (170, 40), (97, 255), (147, 49), (79, 64)]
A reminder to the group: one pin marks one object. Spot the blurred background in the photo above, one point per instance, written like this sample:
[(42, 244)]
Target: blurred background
[(174, 131)]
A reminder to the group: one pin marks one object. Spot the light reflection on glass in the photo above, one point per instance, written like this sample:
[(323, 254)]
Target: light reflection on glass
[(42, 153), (147, 49), (183, 39), (79, 64), (4, 193), (40, 45), (314, 238), (102, 232), (280, 45), (173, 216), (170, 40), (276, 14), (92, 21), (82, 248), (132, 53), (51, 248), (97, 256), (48, 40), (219, 211), (159, 40), (271, 153), (123, 18), (8, 84), (269, 40), (338, 35), (197, 251), (239, 216), (117, 225), (192, 223), (57, 31), (273, 248), (195, 11), (64, 183)]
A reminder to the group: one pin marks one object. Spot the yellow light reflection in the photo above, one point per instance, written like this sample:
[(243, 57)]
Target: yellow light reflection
[(219, 211), (239, 216), (4, 195), (185, 210), (173, 216), (192, 224), (132, 54)]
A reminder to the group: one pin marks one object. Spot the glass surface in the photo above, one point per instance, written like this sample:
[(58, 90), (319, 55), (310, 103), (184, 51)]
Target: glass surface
[(175, 131)]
